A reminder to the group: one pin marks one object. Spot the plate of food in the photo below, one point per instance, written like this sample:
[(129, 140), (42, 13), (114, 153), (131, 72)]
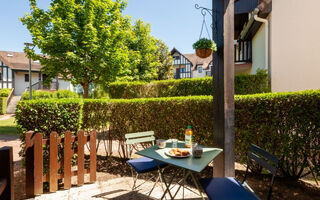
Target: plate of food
[(178, 153)]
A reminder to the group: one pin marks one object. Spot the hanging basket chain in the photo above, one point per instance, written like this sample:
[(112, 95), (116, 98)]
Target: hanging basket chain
[(204, 24)]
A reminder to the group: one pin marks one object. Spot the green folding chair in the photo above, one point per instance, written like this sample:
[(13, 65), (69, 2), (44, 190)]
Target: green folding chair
[(143, 165)]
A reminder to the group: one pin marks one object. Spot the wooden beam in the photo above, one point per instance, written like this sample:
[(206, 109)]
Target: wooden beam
[(223, 84)]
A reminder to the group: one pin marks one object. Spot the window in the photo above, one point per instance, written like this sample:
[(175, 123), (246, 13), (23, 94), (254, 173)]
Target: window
[(199, 69), (182, 70), (176, 57), (26, 78)]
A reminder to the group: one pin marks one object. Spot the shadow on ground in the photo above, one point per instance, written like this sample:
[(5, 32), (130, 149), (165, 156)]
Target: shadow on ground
[(283, 188)]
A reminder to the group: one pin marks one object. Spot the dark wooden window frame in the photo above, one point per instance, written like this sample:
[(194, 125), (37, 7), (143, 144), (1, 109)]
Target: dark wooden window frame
[(26, 78)]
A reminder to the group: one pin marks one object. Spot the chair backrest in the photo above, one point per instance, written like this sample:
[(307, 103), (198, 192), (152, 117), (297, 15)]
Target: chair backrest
[(265, 160), (140, 137)]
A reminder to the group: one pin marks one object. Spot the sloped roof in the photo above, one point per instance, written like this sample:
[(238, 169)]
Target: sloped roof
[(18, 61), (195, 60)]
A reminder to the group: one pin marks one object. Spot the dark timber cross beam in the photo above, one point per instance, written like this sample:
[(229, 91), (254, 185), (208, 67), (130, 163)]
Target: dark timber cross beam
[(223, 84)]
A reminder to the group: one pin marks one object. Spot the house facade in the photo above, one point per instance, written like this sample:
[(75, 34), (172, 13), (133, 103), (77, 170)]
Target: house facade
[(279, 36), (285, 42), (14, 73), (192, 66)]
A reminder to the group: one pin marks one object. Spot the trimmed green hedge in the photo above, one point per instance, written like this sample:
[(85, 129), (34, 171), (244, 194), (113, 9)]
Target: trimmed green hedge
[(5, 92), (3, 105), (285, 124), (39, 94), (244, 84), (48, 115)]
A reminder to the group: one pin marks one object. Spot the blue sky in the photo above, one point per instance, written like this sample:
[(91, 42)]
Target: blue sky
[(176, 22)]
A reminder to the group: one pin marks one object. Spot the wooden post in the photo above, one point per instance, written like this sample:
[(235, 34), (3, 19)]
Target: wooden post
[(6, 173), (67, 160), (93, 156), (81, 144), (29, 164), (38, 164), (223, 84), (53, 162)]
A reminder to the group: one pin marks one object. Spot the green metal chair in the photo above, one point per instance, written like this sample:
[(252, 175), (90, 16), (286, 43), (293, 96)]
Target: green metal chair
[(143, 164), (229, 188)]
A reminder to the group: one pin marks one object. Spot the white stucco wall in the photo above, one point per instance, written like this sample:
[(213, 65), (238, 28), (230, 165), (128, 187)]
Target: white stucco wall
[(259, 50), (65, 85), (196, 74), (20, 84), (295, 42)]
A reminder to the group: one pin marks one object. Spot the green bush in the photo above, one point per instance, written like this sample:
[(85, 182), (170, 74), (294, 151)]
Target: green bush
[(49, 115), (3, 105), (45, 116), (168, 117), (5, 92), (40, 94), (251, 84), (60, 94), (244, 84), (285, 124)]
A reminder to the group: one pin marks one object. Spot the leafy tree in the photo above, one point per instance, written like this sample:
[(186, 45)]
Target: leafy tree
[(82, 40), (165, 66), (143, 53)]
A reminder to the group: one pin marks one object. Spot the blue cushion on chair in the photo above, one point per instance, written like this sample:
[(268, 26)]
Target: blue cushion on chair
[(143, 164), (226, 189)]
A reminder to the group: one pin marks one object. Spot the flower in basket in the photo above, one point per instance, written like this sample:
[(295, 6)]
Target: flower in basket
[(204, 47)]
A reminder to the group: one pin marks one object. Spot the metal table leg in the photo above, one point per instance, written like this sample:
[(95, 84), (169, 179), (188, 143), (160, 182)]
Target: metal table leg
[(165, 182), (197, 185)]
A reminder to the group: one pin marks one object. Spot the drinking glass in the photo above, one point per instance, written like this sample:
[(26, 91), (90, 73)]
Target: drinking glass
[(174, 143)]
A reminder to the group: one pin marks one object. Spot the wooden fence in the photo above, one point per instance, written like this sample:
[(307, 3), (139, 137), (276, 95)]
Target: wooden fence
[(35, 176)]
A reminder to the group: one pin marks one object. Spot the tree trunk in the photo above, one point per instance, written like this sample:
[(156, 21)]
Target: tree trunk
[(85, 90)]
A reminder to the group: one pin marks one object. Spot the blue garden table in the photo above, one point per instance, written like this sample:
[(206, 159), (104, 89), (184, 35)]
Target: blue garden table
[(189, 166)]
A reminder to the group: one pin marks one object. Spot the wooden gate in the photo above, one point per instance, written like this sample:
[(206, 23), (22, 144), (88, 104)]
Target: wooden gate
[(35, 176)]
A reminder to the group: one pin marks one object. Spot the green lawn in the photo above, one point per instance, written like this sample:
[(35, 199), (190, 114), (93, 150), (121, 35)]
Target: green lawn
[(8, 127)]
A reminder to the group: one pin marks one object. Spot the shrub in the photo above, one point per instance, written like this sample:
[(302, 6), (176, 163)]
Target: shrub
[(244, 84), (5, 92), (45, 116), (40, 94), (60, 94), (168, 117), (285, 124), (251, 84), (3, 105)]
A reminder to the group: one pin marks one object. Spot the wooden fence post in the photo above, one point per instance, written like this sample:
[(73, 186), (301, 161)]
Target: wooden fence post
[(93, 156), (53, 162), (29, 149), (67, 160), (6, 173), (38, 164), (81, 158)]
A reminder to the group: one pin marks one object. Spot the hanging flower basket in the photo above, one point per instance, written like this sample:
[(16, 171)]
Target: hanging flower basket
[(204, 47), (204, 53)]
